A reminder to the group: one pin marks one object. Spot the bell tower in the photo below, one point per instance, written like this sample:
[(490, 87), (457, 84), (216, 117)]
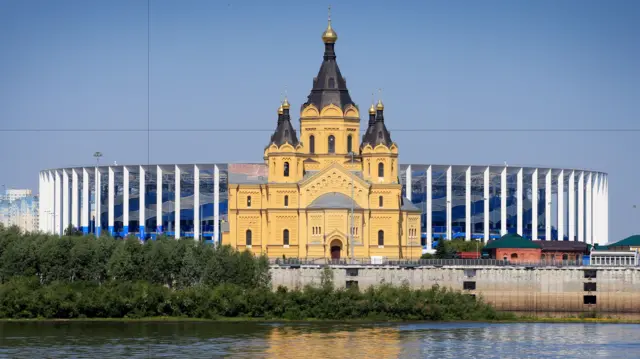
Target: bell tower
[(283, 154)]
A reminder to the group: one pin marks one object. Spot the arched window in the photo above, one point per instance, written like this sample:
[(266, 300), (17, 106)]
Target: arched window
[(248, 237), (349, 144), (286, 169), (514, 255), (286, 201), (285, 237), (565, 257), (381, 237), (332, 83), (380, 169), (543, 257), (332, 144), (312, 144), (578, 258), (380, 201), (248, 201), (286, 133)]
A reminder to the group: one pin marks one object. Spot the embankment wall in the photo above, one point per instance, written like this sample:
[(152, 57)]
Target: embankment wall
[(533, 289)]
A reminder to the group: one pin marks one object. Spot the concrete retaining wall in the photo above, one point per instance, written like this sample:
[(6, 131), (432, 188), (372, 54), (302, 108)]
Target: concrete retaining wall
[(546, 289)]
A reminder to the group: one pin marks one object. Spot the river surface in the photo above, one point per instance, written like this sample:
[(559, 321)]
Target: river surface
[(316, 340)]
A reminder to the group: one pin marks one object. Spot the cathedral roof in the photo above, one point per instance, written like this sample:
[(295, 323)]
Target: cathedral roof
[(377, 132), (333, 200), (329, 87), (407, 205), (285, 133)]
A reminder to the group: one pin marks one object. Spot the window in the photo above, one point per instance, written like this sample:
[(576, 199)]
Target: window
[(380, 169), (248, 237), (286, 169), (590, 273), (286, 201), (381, 237), (589, 299), (469, 285), (565, 257), (380, 201), (514, 255), (285, 237), (312, 144), (590, 287), (248, 201), (332, 83), (352, 272), (332, 144), (349, 144), (543, 257)]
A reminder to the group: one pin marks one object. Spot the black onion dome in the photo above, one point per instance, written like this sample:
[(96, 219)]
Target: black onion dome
[(285, 133)]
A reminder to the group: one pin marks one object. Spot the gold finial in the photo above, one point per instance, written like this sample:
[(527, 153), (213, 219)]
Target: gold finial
[(280, 110), (380, 105), (285, 104), (329, 36), (372, 109)]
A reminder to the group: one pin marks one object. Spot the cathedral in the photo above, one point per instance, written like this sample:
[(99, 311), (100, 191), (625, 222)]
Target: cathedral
[(328, 192)]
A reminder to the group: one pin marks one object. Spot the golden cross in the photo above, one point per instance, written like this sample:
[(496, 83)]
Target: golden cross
[(329, 13)]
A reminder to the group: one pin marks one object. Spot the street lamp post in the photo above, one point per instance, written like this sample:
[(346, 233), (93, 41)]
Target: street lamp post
[(352, 199)]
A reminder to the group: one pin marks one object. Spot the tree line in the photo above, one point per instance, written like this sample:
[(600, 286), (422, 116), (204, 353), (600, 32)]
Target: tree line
[(48, 276)]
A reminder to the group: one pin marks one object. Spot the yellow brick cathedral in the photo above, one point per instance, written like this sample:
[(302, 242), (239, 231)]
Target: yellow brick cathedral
[(328, 194)]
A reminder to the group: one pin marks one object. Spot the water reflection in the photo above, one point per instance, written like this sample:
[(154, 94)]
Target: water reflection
[(316, 340)]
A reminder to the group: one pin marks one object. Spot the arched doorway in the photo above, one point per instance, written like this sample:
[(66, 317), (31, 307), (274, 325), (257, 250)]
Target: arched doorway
[(336, 248)]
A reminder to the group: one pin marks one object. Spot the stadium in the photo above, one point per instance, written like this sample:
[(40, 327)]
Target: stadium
[(394, 201), (457, 201)]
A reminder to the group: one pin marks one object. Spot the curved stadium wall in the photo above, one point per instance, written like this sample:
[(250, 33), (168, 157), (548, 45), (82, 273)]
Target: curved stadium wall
[(457, 201)]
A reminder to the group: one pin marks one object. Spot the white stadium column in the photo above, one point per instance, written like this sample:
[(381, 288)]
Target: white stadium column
[(97, 202), (589, 190), (534, 205), (110, 200), (606, 208), (572, 206), (65, 200), (503, 201), (429, 224), (520, 207), (216, 204), (57, 216), (41, 201), (581, 207), (596, 222), (52, 202), (561, 205), (142, 213), (176, 203), (547, 206), (467, 204), (158, 200), (75, 221), (407, 182), (125, 200), (449, 202), (196, 202), (85, 202), (487, 209)]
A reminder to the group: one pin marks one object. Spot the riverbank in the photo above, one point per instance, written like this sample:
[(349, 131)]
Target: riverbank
[(515, 320)]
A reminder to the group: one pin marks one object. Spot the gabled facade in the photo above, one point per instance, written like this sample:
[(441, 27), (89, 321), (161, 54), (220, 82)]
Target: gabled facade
[(328, 193)]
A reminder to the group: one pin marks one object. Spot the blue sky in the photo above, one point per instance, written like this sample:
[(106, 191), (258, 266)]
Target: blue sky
[(512, 64)]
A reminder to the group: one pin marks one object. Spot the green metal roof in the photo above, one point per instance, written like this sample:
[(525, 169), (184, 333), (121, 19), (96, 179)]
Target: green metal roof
[(511, 240), (633, 241)]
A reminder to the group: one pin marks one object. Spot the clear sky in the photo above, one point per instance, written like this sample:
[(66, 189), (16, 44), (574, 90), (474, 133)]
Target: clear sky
[(222, 65)]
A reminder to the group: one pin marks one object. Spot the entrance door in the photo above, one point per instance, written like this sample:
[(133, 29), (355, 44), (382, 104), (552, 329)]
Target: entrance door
[(336, 246)]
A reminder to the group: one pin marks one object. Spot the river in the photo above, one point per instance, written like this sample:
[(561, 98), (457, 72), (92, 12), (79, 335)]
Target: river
[(316, 340)]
